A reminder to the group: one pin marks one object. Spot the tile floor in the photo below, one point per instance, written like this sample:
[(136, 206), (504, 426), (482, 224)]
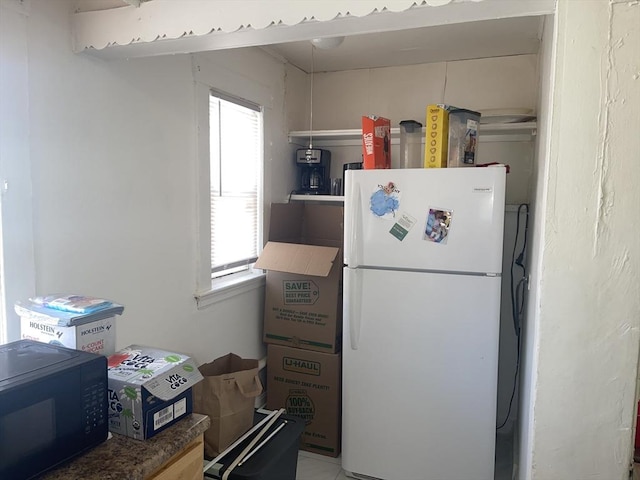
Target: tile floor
[(318, 467)]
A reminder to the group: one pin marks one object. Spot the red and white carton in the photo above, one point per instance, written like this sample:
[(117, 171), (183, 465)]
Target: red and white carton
[(376, 142), (95, 337)]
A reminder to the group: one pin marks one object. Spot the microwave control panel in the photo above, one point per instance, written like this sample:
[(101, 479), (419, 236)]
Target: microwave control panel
[(94, 406), (94, 399)]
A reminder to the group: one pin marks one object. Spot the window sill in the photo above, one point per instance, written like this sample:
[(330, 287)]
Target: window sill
[(224, 289)]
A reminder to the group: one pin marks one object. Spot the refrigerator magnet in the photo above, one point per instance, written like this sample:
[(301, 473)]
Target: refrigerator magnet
[(402, 226), (385, 201), (438, 225)]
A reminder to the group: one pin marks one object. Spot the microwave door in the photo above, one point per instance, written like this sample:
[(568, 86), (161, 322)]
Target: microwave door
[(52, 419)]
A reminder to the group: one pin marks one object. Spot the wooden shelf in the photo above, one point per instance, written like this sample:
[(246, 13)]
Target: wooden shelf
[(489, 132)]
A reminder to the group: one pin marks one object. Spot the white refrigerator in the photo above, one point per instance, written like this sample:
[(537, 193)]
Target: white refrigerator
[(423, 260)]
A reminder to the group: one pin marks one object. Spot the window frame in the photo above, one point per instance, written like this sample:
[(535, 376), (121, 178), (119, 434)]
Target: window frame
[(209, 77), (245, 264)]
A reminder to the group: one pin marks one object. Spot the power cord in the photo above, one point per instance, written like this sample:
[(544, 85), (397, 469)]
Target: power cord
[(517, 297)]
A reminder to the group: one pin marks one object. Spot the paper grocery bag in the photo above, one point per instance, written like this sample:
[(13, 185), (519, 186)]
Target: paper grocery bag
[(227, 396)]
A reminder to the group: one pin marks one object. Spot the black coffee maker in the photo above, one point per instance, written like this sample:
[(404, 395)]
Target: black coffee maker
[(313, 171)]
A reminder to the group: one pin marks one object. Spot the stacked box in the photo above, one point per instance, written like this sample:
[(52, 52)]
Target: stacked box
[(93, 332), (308, 385), (303, 318), (149, 390), (303, 259), (95, 337), (302, 296)]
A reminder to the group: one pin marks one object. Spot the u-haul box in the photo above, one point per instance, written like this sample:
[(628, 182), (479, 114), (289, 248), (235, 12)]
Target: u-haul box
[(308, 385)]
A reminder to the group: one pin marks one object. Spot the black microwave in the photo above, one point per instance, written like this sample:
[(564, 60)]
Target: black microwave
[(53, 406)]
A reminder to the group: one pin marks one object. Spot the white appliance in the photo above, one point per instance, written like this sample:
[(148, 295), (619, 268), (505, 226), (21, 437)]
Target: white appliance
[(423, 260)]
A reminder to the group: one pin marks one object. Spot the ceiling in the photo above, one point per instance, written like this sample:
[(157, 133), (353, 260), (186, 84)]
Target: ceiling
[(461, 41), (409, 46)]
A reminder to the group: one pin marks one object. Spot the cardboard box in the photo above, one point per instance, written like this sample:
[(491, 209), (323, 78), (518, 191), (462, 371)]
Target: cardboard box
[(308, 385), (149, 390), (376, 142), (303, 259), (463, 137), (95, 337), (436, 136)]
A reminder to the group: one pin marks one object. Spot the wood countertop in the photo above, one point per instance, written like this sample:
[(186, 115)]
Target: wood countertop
[(120, 457)]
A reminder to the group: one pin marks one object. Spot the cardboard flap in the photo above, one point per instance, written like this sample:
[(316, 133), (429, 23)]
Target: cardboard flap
[(294, 258), (323, 225), (306, 224), (174, 381), (286, 222), (163, 374)]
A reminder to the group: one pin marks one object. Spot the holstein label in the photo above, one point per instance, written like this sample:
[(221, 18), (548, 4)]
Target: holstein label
[(300, 292), (45, 328), (298, 403), (301, 366), (94, 330)]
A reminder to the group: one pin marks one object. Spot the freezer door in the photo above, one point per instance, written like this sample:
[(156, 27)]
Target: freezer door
[(447, 219), (420, 357)]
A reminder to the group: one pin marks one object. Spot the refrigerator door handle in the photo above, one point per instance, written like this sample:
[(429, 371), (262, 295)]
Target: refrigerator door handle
[(353, 299), (353, 225)]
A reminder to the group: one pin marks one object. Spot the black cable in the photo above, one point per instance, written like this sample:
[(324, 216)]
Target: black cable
[(513, 391), (519, 262), (517, 299)]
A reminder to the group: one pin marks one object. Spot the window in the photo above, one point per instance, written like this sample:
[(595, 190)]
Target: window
[(235, 158)]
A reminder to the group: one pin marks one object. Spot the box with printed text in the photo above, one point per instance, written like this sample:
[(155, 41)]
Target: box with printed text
[(376, 142), (436, 140), (149, 390), (96, 337), (303, 259), (308, 385)]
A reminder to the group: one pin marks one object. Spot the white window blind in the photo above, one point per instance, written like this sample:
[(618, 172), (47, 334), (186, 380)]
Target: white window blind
[(236, 172)]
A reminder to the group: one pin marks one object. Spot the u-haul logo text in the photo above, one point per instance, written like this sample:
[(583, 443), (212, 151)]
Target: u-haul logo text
[(301, 366)]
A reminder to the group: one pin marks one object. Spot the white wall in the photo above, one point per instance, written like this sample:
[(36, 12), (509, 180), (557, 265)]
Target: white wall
[(523, 448), (402, 93), (113, 150), (16, 243), (584, 383)]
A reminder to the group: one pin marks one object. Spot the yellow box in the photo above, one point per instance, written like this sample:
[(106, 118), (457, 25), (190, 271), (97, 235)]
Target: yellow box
[(436, 136)]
